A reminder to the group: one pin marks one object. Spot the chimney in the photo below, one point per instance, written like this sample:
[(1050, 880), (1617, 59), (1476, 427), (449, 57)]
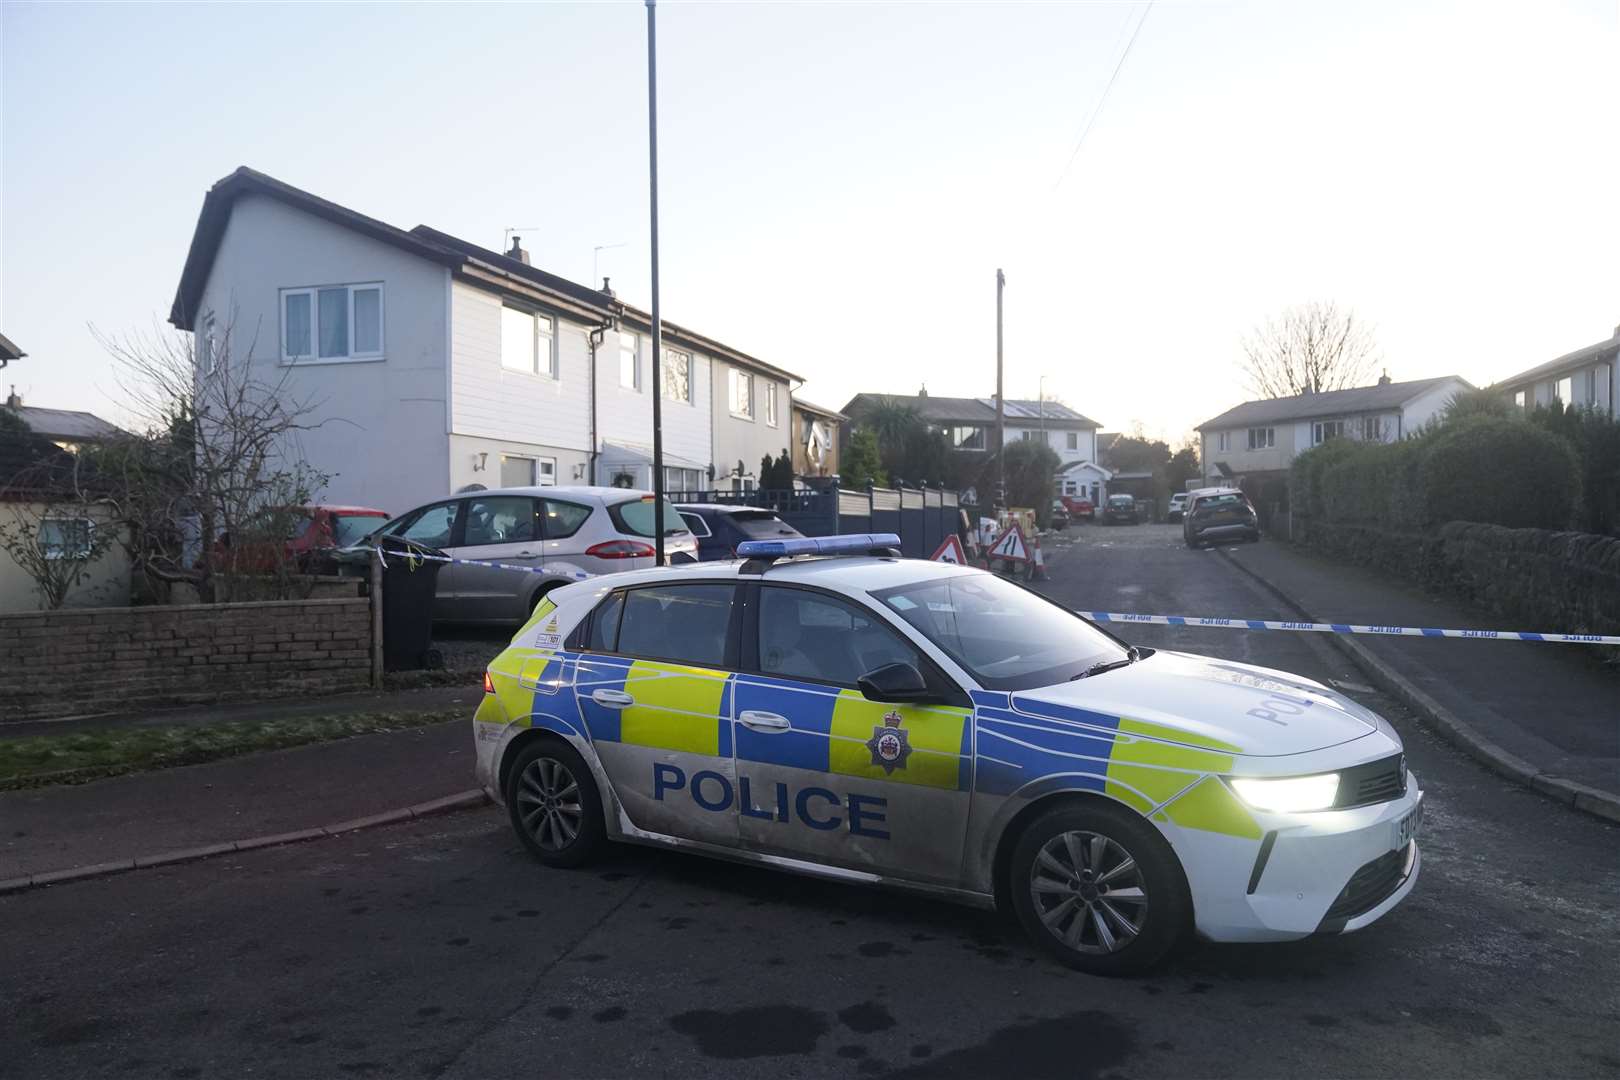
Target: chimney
[(517, 251), (12, 400), (924, 391), (1383, 380), (606, 288)]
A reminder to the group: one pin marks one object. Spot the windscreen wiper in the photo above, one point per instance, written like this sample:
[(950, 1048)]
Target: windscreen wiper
[(1108, 665)]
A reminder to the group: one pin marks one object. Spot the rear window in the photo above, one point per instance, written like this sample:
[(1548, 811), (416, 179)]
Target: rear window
[(350, 528), (761, 524), (635, 518), (1217, 502), (1120, 500)]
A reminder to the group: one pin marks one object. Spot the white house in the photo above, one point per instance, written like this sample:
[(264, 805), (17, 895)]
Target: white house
[(1585, 378), (1260, 438), (432, 363)]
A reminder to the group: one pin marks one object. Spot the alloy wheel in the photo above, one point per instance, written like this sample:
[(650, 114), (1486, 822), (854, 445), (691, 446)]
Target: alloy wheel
[(548, 803), (1088, 892)]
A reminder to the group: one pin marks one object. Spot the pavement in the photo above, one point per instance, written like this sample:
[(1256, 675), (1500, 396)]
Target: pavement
[(1548, 715), (438, 948)]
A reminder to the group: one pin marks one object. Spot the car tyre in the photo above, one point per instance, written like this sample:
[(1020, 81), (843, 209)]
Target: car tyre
[(1098, 888), (554, 804)]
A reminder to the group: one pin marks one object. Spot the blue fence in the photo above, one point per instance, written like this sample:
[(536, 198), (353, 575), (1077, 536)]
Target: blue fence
[(922, 517)]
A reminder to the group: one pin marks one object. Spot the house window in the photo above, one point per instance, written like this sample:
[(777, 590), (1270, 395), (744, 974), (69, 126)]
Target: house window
[(967, 437), (1372, 429), (65, 538), (770, 404), (1262, 438), (528, 342), (1323, 430), (742, 394), (517, 471), (629, 360), (1561, 390), (1072, 440), (332, 322), (682, 480), (1223, 441), (677, 377)]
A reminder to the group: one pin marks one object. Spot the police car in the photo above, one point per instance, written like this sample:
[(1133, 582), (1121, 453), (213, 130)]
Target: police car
[(827, 707)]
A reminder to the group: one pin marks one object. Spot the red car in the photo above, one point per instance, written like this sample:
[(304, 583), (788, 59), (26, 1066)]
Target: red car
[(1079, 507), (308, 533)]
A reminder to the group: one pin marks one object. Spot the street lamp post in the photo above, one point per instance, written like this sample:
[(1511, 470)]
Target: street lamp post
[(1001, 404), (657, 326)]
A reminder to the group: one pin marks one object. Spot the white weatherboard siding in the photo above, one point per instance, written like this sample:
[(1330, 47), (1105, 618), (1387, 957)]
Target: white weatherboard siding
[(379, 424), (1058, 440), (493, 402), (1428, 405), (624, 416), (739, 438)]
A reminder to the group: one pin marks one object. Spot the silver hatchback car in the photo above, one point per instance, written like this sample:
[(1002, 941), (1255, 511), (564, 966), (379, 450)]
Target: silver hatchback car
[(559, 531)]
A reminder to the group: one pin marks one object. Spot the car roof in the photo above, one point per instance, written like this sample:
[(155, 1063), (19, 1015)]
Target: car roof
[(721, 508), (839, 573), (588, 491), (334, 508)]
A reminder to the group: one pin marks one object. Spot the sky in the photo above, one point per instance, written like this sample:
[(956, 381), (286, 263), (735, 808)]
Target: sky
[(840, 182)]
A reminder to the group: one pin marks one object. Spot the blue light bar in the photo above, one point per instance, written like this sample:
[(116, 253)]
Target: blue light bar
[(847, 544)]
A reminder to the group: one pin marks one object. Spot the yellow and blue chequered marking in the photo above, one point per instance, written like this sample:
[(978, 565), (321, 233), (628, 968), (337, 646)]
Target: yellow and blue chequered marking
[(1156, 770)]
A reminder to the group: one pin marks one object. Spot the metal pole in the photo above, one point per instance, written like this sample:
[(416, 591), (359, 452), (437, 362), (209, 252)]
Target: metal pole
[(1001, 405), (657, 327)]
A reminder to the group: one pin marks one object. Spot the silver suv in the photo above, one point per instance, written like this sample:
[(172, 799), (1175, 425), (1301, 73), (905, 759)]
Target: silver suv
[(558, 530)]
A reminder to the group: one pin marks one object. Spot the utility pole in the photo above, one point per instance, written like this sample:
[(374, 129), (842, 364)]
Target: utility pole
[(1001, 403), (657, 325)]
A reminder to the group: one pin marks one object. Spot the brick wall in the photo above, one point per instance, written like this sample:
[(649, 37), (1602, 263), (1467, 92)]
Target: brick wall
[(59, 663)]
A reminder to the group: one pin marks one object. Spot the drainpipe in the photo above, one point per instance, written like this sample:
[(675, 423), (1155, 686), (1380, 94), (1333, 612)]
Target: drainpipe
[(592, 340)]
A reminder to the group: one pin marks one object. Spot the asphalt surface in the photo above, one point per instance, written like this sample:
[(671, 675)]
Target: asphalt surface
[(437, 949)]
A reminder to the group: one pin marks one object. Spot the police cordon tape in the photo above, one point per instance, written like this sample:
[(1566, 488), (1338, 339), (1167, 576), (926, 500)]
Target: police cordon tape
[(1194, 621), (1350, 628), (408, 556)]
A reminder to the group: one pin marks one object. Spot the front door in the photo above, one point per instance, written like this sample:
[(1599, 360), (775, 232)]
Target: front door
[(654, 688), (824, 774)]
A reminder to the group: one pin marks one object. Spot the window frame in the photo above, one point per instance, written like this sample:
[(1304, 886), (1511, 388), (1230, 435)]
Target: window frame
[(1320, 433), (1071, 440), (545, 518), (313, 293), (937, 679), (580, 637), (537, 529), (663, 381), (1223, 442), (552, 369), (210, 345), (1267, 443), (740, 379), (61, 554), (1372, 429), (695, 521), (772, 416), (633, 340)]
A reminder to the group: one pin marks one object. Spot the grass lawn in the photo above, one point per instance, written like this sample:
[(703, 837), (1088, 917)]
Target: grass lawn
[(90, 755)]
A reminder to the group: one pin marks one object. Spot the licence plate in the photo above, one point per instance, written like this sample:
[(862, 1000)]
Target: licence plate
[(1406, 829)]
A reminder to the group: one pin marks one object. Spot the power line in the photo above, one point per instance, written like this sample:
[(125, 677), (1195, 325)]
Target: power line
[(1103, 100)]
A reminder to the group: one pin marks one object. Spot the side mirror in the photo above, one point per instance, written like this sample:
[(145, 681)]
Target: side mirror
[(897, 682)]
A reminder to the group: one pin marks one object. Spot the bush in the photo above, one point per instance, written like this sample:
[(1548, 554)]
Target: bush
[(1307, 475), (1500, 472), (1596, 439)]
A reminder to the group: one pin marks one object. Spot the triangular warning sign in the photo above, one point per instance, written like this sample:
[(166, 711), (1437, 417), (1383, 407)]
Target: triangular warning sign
[(1010, 545), (950, 550)]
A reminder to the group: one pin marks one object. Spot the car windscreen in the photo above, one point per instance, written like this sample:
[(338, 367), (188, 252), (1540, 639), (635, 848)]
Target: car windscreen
[(351, 528), (1005, 636), (761, 525), (1120, 500), (635, 518)]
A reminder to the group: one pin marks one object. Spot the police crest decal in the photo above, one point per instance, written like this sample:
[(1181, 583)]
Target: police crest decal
[(890, 744)]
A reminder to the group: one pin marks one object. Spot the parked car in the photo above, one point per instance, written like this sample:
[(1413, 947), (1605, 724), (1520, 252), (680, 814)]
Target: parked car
[(915, 723), (719, 528), (1219, 514), (1121, 509), (308, 534), (1080, 508), (1178, 504), (1060, 515), (563, 530)]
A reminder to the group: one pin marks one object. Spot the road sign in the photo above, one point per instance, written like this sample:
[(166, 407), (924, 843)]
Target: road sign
[(1010, 545), (950, 550)]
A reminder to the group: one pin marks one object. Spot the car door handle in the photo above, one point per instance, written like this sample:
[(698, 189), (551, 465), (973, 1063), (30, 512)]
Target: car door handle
[(612, 699), (755, 720)]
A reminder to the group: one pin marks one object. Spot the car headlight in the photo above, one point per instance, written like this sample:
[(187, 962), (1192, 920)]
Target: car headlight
[(1291, 794)]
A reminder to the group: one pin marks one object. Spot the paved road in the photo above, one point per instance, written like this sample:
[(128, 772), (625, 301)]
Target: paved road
[(436, 949)]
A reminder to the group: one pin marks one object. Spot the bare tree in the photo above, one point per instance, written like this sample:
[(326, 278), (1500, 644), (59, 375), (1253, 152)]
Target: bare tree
[(1308, 349), (213, 488)]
